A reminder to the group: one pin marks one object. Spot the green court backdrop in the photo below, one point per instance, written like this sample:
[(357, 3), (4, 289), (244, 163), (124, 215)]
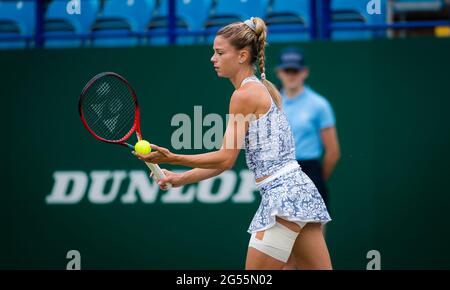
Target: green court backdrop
[(62, 190)]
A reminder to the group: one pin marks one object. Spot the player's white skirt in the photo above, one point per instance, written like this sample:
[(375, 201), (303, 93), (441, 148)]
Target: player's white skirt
[(291, 195)]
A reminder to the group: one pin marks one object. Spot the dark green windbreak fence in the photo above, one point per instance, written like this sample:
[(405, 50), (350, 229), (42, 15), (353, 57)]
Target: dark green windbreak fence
[(62, 190)]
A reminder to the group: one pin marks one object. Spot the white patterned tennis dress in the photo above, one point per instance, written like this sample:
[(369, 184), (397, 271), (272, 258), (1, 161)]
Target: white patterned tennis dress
[(287, 192)]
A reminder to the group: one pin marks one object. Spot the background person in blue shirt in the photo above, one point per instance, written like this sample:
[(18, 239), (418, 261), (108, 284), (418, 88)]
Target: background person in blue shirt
[(311, 119)]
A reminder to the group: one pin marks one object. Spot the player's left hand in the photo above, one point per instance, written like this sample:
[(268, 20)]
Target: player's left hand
[(158, 155)]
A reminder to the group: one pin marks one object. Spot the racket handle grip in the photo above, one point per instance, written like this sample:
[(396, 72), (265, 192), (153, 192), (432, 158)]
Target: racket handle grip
[(158, 173)]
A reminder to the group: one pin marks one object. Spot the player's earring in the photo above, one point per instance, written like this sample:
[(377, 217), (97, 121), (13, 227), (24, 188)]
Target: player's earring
[(241, 62)]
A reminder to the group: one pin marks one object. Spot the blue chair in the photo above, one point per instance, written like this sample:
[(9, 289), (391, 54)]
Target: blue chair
[(403, 6), (288, 15), (228, 11), (242, 9), (122, 22), (17, 19), (65, 30), (190, 16), (355, 12)]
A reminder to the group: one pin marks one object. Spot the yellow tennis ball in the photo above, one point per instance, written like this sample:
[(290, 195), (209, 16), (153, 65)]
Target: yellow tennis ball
[(142, 147)]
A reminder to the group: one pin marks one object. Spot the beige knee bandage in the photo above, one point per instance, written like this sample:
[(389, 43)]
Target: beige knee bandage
[(277, 242)]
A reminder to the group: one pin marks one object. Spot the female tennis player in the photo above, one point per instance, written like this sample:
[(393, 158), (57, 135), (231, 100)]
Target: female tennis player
[(289, 218)]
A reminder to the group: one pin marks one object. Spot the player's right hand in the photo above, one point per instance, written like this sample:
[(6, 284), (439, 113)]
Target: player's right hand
[(171, 177)]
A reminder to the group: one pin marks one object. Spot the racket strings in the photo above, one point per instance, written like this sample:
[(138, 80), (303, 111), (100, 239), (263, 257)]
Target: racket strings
[(109, 108)]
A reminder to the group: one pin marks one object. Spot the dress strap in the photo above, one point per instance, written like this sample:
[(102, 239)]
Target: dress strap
[(252, 78)]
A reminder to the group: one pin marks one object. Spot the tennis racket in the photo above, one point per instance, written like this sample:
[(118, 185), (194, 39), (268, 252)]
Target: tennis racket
[(109, 110)]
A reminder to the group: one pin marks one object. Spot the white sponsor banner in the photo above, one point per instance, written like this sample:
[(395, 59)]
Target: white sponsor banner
[(105, 186)]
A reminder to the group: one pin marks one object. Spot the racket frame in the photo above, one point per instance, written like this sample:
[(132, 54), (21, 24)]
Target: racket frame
[(136, 128), (136, 125)]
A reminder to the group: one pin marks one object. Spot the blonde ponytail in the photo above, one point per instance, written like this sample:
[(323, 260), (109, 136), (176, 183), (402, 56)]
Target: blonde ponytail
[(261, 34)]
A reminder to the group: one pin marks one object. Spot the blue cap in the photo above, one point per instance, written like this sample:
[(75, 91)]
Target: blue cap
[(291, 58)]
